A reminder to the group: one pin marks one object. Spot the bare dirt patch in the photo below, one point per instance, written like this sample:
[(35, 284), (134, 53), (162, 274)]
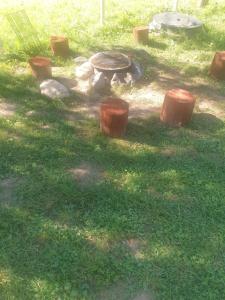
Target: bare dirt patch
[(210, 106), (80, 112), (64, 72), (169, 152), (30, 113), (7, 188), (119, 291), (135, 245), (142, 104), (6, 109), (21, 70), (45, 126), (122, 291), (86, 174), (145, 101), (144, 296)]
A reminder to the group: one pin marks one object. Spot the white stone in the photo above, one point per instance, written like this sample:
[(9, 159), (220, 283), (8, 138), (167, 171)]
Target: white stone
[(129, 79), (84, 71), (99, 81), (83, 87), (53, 89), (6, 109), (118, 79), (114, 80), (69, 83), (136, 71), (61, 71)]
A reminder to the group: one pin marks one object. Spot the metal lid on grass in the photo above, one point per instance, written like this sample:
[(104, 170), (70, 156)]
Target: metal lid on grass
[(175, 20)]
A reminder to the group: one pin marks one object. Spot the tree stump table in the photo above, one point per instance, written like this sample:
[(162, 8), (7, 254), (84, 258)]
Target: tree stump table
[(217, 69), (178, 107), (114, 117), (141, 34)]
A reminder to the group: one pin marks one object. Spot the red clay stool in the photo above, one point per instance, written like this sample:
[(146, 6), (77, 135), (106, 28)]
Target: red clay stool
[(41, 67), (218, 65), (177, 107), (60, 46), (141, 34), (114, 117)]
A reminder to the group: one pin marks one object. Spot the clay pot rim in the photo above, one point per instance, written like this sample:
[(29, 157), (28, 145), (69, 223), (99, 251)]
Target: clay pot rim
[(180, 96), (141, 27), (39, 61), (115, 111), (58, 38), (115, 106), (114, 102), (221, 55)]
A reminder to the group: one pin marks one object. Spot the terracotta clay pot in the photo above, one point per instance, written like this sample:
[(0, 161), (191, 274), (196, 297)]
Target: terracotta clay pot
[(41, 67), (114, 117), (141, 34), (217, 69), (60, 46), (178, 107)]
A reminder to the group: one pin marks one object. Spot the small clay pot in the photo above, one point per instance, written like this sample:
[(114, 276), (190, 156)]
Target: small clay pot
[(41, 67), (178, 107), (141, 34), (217, 69), (60, 46), (114, 117)]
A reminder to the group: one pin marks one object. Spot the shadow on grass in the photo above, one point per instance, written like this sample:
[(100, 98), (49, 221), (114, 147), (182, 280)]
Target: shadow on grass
[(203, 39), (202, 123), (157, 44), (160, 184), (167, 77)]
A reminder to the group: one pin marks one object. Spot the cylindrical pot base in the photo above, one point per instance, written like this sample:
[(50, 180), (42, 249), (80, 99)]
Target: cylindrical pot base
[(217, 69), (114, 117), (141, 35), (41, 67), (60, 46), (178, 107)]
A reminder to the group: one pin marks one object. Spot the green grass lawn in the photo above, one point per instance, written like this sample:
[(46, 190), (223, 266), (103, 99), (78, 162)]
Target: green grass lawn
[(152, 219)]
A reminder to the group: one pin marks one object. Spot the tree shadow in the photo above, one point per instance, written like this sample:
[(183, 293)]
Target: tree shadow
[(160, 184), (57, 254), (202, 124), (157, 44), (206, 122)]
